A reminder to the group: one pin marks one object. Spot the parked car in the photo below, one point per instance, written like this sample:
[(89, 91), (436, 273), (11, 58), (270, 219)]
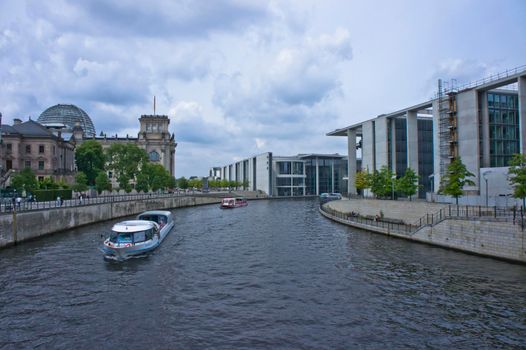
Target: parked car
[(327, 197)]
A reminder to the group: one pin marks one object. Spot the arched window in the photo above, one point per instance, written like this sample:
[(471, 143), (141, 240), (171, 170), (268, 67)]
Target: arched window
[(154, 156)]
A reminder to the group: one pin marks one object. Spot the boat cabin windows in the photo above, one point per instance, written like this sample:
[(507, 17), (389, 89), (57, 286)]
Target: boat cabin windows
[(159, 219), (131, 237), (139, 236), (121, 238)]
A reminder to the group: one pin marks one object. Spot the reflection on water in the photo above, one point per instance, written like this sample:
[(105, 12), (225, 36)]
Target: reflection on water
[(274, 274)]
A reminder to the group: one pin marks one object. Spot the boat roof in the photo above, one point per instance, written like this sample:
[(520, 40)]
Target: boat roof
[(133, 226), (156, 212)]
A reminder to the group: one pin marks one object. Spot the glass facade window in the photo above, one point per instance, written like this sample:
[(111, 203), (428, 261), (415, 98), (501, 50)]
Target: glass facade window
[(297, 191), (283, 181), (297, 168), (425, 156), (284, 168), (325, 175), (401, 146), (298, 181), (503, 112), (284, 191)]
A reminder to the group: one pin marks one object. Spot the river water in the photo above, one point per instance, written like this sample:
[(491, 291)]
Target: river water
[(273, 275)]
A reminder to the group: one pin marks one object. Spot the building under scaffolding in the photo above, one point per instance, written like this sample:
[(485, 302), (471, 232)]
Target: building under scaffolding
[(483, 122)]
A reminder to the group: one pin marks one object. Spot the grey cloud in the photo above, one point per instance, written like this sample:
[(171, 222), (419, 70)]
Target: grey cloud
[(152, 19)]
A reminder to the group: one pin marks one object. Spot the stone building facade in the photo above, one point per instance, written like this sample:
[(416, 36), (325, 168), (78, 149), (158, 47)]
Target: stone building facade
[(31, 145), (154, 137), (47, 145)]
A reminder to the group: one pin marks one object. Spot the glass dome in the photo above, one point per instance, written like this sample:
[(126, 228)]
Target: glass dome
[(67, 115)]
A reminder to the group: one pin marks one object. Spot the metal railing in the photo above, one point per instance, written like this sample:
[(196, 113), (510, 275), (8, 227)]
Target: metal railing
[(514, 215), (494, 77), (8, 205)]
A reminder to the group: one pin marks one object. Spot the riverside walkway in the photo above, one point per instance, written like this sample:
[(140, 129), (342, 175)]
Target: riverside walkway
[(490, 231), (405, 211)]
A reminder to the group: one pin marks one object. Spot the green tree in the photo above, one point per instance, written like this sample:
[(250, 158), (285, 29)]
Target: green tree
[(102, 182), (517, 176), (407, 185), (25, 180), (125, 160), (363, 180), (141, 184), (245, 184), (81, 182), (90, 159), (47, 183), (224, 183), (171, 182), (63, 184), (182, 183), (124, 183), (382, 182), (455, 179)]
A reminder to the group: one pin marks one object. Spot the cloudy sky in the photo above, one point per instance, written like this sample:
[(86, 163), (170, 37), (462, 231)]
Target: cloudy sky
[(239, 78)]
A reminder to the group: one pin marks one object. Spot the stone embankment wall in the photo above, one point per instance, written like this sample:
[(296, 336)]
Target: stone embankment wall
[(32, 224), (497, 239)]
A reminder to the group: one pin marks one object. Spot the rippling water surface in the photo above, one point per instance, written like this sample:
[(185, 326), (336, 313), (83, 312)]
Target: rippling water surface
[(271, 275)]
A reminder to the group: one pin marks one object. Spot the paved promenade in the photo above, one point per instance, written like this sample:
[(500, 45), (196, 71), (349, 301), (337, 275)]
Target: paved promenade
[(408, 211)]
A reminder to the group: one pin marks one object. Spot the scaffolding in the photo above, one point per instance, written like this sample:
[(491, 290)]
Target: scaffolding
[(447, 127)]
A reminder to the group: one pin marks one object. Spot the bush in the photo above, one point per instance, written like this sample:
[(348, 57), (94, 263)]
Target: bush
[(51, 195)]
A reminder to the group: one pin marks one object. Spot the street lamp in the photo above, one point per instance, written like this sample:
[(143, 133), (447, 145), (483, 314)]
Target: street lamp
[(393, 178), (484, 175)]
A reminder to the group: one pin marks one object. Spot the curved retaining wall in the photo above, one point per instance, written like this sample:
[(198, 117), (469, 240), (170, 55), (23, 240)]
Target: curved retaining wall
[(502, 240), (31, 224)]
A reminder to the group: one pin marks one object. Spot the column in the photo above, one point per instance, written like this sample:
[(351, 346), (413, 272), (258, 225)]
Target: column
[(380, 136), (436, 145), (393, 145), (351, 162), (522, 112), (484, 115), (367, 146), (412, 140), (317, 178)]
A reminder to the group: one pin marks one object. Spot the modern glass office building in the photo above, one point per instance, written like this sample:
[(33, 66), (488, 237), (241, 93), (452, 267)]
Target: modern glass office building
[(290, 176), (482, 123)]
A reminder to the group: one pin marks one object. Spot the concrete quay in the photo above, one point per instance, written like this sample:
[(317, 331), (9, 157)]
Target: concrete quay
[(492, 237)]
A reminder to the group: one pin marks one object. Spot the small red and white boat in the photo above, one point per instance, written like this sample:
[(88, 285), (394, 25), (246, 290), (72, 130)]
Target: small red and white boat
[(230, 203)]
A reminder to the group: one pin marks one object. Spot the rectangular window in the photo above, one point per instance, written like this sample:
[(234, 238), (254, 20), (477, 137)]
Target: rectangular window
[(297, 168), (110, 174), (284, 168), (28, 148), (27, 164), (283, 181), (9, 147), (40, 148), (54, 150), (40, 165), (298, 181)]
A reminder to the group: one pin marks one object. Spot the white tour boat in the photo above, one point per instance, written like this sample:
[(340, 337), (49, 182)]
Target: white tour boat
[(138, 237)]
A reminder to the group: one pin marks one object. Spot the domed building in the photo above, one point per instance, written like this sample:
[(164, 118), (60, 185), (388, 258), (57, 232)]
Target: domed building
[(66, 117)]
